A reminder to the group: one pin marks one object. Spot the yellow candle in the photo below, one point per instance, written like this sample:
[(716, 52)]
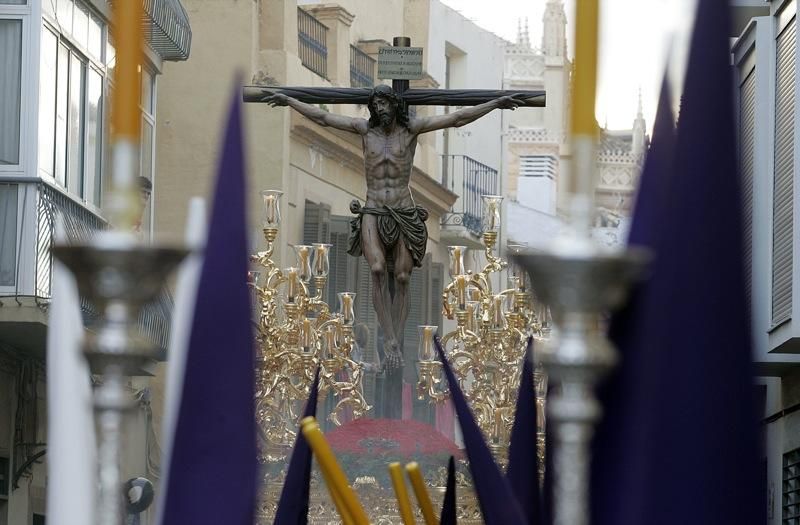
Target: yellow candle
[(327, 462), (338, 502), (585, 80), (399, 484), (424, 500), (127, 30)]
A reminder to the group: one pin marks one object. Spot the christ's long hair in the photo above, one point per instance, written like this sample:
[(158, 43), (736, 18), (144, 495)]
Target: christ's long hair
[(386, 92)]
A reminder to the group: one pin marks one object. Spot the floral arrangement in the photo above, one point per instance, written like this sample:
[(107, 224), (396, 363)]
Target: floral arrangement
[(365, 447)]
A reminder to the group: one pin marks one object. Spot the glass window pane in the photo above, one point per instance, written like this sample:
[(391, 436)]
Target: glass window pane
[(14, 2), (146, 167), (94, 135), (96, 37), (111, 56), (64, 14), (10, 85), (147, 91), (75, 129), (62, 90), (80, 25), (49, 7), (47, 101), (8, 234), (146, 170)]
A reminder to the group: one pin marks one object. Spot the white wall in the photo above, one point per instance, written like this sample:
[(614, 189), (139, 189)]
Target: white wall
[(538, 193), (481, 67)]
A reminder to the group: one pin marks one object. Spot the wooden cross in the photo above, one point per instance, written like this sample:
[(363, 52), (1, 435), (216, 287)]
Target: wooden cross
[(412, 97)]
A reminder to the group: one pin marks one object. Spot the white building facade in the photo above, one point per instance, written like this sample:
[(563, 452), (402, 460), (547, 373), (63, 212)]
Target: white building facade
[(56, 71), (537, 146), (766, 70)]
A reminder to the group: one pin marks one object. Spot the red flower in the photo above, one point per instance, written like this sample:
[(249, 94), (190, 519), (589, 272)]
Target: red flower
[(390, 436)]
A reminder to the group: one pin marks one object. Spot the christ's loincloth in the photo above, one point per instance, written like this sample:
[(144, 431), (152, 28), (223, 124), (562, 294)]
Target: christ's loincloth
[(393, 223)]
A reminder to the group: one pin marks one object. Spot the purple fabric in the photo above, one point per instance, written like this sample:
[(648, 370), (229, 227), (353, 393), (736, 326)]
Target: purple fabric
[(497, 501), (620, 435), (522, 472), (213, 469), (695, 457), (449, 513), (293, 504)]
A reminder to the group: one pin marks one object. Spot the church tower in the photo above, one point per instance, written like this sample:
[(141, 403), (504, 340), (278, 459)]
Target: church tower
[(554, 37), (639, 130)]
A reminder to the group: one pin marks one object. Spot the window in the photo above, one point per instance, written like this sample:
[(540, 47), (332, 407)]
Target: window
[(4, 484), (791, 487), (747, 98), (147, 144), (783, 183), (71, 97), (10, 89), (8, 234), (537, 166)]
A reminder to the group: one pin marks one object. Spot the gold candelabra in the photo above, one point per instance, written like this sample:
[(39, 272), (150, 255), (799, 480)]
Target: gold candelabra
[(488, 344), (296, 331)]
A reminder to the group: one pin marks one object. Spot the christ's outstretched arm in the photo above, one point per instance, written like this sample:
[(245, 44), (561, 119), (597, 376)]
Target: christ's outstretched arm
[(321, 117), (463, 116)]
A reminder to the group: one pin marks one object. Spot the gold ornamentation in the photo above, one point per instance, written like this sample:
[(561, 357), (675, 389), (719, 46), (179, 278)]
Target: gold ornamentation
[(295, 332), (487, 346)]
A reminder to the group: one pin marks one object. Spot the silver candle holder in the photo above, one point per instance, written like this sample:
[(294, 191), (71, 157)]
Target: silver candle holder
[(579, 283), (118, 276)]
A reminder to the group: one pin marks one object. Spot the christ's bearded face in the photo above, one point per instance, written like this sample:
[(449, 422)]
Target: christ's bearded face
[(386, 110)]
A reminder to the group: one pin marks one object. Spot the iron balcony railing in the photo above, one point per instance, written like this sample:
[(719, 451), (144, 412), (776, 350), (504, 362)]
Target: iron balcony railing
[(469, 179), (362, 68), (312, 43), (80, 224)]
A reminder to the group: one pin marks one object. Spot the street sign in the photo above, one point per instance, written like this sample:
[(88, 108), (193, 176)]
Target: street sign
[(400, 63)]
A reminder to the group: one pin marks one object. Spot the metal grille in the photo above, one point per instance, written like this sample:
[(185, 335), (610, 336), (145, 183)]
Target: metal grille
[(791, 488), (166, 28), (80, 225), (470, 180), (746, 145), (783, 189), (312, 43), (362, 68)]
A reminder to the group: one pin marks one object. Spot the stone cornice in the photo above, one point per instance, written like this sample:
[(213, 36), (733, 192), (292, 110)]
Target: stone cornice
[(335, 12)]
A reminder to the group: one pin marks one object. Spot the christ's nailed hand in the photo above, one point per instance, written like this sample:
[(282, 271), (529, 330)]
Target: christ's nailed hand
[(275, 99), (511, 102)]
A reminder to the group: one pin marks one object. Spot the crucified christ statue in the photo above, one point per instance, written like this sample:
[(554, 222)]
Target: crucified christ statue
[(389, 229)]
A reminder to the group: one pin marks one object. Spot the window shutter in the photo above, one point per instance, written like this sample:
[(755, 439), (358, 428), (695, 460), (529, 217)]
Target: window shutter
[(338, 277), (783, 188), (365, 313), (417, 309), (747, 97), (316, 223), (419, 302), (436, 288)]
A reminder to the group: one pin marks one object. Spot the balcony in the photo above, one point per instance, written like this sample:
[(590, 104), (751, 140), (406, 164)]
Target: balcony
[(30, 207), (469, 179), (362, 68), (312, 43)]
